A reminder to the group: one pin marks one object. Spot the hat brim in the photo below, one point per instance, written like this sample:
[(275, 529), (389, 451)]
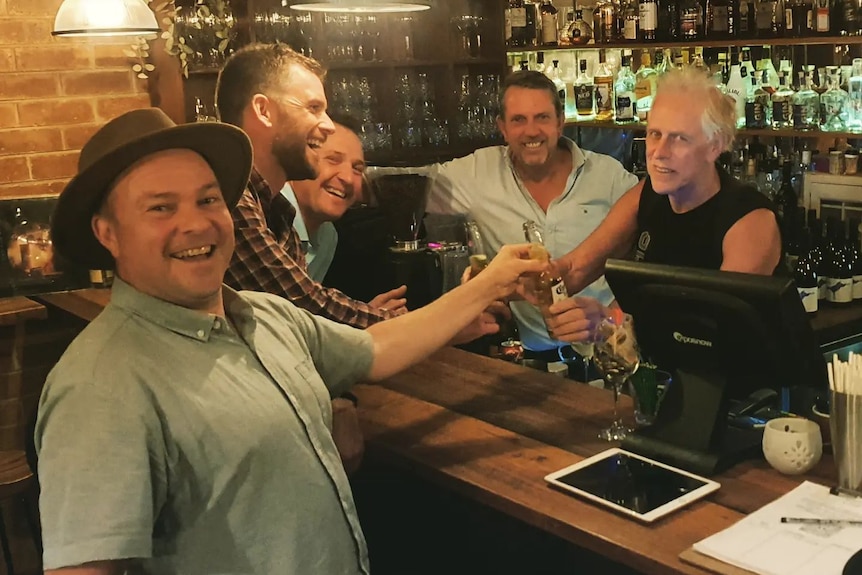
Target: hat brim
[(225, 148)]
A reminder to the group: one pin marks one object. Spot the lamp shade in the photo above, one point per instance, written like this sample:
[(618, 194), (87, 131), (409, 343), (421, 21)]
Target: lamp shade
[(105, 18), (361, 6)]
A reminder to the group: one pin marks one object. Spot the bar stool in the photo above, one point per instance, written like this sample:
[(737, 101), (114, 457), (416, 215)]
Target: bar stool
[(17, 479)]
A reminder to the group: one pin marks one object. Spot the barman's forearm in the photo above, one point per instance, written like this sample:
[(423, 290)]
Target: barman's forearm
[(612, 239)]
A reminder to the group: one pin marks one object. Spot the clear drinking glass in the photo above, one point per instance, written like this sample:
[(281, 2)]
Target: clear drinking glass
[(617, 358)]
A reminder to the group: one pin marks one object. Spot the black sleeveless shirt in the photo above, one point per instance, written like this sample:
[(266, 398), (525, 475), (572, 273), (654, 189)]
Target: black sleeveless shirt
[(693, 239)]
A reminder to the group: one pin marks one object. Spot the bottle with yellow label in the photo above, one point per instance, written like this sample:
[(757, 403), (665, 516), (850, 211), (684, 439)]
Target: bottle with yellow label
[(547, 285)]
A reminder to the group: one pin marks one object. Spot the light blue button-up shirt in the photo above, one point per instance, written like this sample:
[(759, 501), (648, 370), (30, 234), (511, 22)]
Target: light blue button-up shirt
[(485, 186), (319, 249)]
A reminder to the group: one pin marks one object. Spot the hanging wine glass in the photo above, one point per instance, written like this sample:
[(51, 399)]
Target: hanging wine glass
[(617, 358)]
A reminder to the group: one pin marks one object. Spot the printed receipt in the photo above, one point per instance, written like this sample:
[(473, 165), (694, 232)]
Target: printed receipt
[(763, 544)]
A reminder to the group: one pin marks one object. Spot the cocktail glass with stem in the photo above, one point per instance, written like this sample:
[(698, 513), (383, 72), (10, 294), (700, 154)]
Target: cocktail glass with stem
[(617, 358)]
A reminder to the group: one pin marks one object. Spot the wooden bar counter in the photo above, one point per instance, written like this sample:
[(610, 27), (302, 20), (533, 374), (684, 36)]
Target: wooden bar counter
[(490, 431)]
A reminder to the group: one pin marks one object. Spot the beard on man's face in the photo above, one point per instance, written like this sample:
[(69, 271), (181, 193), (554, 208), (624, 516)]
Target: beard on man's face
[(293, 157)]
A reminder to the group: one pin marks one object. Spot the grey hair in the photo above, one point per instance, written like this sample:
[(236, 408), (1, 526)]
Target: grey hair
[(719, 114)]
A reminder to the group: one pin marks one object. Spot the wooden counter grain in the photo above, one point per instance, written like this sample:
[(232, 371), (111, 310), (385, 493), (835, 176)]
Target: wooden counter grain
[(490, 431)]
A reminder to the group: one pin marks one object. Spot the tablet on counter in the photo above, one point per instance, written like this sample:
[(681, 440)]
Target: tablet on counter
[(632, 484)]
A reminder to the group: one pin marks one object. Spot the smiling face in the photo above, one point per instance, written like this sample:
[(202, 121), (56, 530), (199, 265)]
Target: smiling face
[(300, 124), (167, 226), (531, 126), (339, 181), (680, 158)]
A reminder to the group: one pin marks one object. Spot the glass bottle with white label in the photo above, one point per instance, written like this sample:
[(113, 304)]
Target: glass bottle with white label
[(585, 94), (624, 92)]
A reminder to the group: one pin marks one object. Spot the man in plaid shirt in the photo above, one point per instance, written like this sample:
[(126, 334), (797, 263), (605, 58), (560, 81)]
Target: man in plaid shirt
[(276, 96)]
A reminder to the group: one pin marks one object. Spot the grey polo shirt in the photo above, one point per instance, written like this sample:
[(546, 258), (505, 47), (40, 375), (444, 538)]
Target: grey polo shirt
[(485, 186), (166, 435)]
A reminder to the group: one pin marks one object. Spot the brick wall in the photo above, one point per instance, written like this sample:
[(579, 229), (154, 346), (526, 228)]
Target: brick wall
[(54, 93)]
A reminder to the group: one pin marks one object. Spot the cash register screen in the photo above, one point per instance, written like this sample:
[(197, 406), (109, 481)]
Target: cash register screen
[(632, 484)]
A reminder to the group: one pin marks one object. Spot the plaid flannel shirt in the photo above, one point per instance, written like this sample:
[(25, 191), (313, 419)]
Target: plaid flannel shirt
[(268, 257)]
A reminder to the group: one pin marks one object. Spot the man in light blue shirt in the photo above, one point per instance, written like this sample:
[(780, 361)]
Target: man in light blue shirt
[(540, 176), (319, 245)]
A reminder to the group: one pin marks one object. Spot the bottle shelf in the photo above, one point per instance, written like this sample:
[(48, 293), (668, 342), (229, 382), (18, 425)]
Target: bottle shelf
[(781, 133), (382, 65), (706, 43)]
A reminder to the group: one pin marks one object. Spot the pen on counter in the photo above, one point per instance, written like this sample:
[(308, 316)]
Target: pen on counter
[(844, 491), (818, 521)]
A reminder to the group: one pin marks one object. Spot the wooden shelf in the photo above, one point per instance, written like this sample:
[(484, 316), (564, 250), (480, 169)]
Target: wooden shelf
[(785, 132), (809, 41), (380, 64)]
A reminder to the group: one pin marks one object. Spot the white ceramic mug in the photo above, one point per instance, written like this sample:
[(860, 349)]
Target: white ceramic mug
[(792, 445)]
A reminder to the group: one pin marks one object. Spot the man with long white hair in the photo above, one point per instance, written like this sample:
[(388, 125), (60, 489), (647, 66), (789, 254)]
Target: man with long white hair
[(688, 211)]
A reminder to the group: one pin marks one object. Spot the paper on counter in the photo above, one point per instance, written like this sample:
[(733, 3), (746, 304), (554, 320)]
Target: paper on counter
[(761, 543)]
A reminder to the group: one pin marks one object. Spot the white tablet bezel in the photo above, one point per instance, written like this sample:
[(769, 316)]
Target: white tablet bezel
[(708, 486)]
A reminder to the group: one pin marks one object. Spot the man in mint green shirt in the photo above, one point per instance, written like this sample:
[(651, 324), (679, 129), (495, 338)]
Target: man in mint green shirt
[(185, 430)]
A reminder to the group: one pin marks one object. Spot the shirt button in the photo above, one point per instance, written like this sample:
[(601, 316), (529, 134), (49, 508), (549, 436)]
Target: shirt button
[(201, 333), (216, 324)]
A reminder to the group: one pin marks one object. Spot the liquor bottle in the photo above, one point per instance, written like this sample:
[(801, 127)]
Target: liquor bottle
[(661, 63), (745, 61), (690, 20), (745, 25), (631, 21), (516, 23), (822, 17), (758, 107), (604, 81), (854, 91), (737, 88), (645, 79), (769, 18), (624, 89), (668, 20), (533, 29), (648, 19), (540, 62), (605, 22), (850, 18), (765, 63), (579, 32), (806, 104), (782, 105), (798, 18), (834, 106), (475, 247), (549, 15), (852, 247), (721, 19), (839, 282), (548, 287), (557, 78), (786, 203), (585, 94), (805, 276)]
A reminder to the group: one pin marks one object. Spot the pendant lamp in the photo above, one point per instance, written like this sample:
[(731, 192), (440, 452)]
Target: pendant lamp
[(105, 18)]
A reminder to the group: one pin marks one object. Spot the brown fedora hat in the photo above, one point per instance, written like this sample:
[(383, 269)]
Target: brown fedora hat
[(117, 146)]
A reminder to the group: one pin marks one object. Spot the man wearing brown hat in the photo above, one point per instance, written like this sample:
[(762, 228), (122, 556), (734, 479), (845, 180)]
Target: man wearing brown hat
[(185, 429)]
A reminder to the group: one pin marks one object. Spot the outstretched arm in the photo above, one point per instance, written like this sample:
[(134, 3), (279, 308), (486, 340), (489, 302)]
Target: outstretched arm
[(613, 238), (404, 340)]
